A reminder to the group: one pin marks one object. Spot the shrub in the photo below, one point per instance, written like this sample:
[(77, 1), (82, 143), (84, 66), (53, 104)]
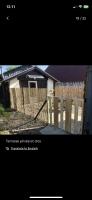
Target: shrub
[(8, 110)]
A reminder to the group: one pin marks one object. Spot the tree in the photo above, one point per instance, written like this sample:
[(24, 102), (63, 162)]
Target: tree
[(0, 69), (10, 67)]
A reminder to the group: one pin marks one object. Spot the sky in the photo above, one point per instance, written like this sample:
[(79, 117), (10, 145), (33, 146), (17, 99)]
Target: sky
[(4, 67)]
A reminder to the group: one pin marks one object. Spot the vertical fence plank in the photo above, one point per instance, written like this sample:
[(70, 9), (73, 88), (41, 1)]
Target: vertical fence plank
[(76, 114), (14, 98), (61, 112), (68, 106), (26, 95), (82, 102), (49, 110), (11, 98), (19, 99), (56, 111)]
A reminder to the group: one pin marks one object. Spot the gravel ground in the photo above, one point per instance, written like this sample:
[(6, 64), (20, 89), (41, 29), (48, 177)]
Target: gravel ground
[(15, 119)]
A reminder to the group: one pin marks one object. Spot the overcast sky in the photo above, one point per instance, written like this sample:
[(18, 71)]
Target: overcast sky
[(4, 67)]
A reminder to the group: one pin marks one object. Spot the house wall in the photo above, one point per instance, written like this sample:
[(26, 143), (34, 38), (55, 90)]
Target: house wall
[(14, 83), (41, 83)]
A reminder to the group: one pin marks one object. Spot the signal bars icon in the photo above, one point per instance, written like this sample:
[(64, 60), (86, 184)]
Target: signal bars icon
[(82, 6)]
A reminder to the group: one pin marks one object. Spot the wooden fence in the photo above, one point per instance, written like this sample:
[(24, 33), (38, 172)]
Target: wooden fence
[(65, 110), (66, 113), (70, 90), (29, 101)]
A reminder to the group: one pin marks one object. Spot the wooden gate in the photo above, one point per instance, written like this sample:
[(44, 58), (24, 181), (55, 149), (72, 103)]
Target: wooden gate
[(66, 113)]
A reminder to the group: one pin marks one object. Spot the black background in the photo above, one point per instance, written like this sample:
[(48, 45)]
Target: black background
[(61, 167), (4, 12), (63, 164)]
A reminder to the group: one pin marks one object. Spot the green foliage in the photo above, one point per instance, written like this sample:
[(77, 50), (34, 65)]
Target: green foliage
[(11, 67), (8, 110), (2, 110)]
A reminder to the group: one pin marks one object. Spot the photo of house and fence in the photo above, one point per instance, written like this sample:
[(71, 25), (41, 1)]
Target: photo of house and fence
[(50, 101)]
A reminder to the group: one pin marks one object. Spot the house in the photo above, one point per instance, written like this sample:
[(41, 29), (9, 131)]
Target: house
[(71, 79), (68, 73), (26, 76)]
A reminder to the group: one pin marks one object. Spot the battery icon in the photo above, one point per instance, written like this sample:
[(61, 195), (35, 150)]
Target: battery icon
[(86, 6)]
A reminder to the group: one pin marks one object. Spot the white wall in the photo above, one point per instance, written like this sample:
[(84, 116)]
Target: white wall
[(14, 83), (50, 87)]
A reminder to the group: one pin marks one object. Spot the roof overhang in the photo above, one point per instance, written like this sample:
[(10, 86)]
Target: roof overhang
[(29, 70)]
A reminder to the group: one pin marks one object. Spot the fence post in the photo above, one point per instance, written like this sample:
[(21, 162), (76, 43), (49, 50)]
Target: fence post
[(68, 115), (14, 98), (61, 112), (56, 111), (82, 110), (18, 99), (49, 111), (11, 98), (76, 115)]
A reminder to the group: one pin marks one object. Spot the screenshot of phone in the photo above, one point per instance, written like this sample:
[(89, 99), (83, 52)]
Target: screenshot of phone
[(45, 102)]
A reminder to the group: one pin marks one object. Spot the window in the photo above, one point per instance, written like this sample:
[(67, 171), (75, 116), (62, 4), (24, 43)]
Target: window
[(32, 84), (32, 88)]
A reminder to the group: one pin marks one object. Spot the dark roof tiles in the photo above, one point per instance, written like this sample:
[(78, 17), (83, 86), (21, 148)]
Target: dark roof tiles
[(68, 73)]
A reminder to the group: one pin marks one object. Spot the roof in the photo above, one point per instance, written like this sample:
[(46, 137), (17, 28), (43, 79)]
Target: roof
[(14, 72), (20, 74), (38, 69), (68, 73)]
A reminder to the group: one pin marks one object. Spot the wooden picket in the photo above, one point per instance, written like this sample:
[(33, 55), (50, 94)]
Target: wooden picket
[(68, 115), (62, 105), (61, 113), (56, 111)]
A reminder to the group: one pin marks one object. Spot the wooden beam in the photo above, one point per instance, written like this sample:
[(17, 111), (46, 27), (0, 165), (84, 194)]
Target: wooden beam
[(61, 113), (56, 111), (68, 115), (76, 104)]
